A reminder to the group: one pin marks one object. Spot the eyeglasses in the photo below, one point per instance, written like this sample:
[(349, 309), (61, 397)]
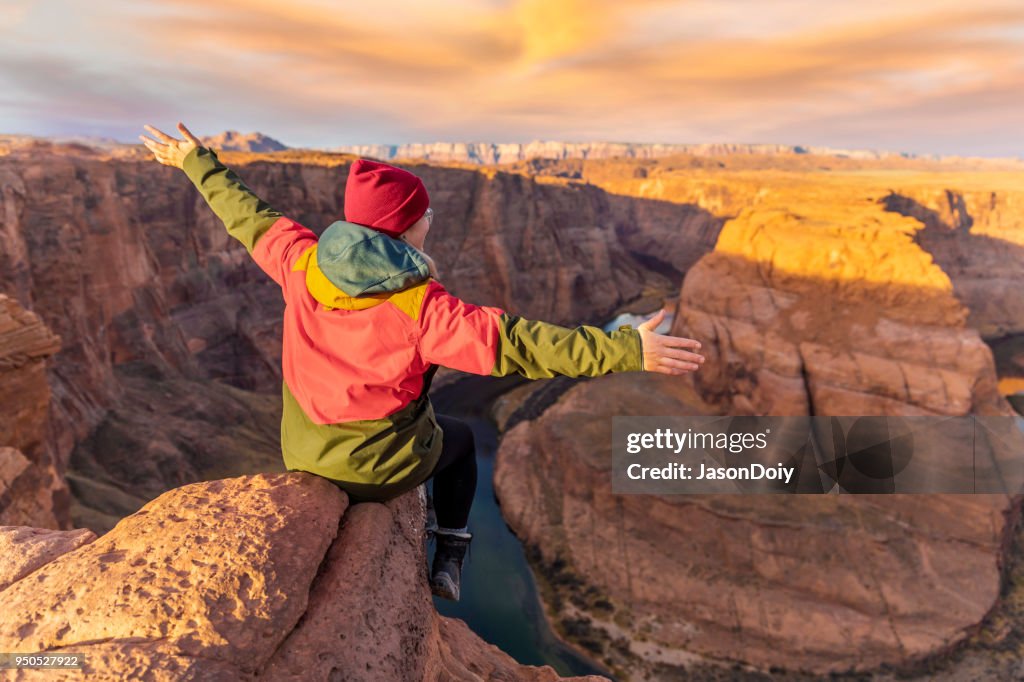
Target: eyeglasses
[(429, 216)]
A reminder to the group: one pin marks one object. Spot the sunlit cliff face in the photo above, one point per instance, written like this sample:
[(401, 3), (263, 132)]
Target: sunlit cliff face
[(825, 285)]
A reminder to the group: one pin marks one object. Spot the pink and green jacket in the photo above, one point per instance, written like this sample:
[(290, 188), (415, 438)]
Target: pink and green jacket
[(357, 360)]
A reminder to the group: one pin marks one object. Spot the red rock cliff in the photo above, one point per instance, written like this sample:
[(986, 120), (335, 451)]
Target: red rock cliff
[(32, 487), (825, 294)]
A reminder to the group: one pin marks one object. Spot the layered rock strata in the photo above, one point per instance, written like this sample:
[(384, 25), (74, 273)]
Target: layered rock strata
[(840, 294), (32, 487)]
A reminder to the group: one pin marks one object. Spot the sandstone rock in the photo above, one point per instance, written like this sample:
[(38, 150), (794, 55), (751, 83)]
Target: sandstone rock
[(834, 308), (370, 616), (461, 655), (24, 549), (821, 296), (232, 140), (32, 490), (503, 153), (801, 583), (12, 465), (974, 234), (246, 578), (209, 570)]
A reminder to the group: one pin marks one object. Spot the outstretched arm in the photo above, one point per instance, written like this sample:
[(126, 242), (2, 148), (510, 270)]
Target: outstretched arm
[(274, 242), (487, 340), (541, 350)]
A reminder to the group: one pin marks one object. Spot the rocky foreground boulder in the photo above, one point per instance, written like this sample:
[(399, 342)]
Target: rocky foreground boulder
[(269, 576)]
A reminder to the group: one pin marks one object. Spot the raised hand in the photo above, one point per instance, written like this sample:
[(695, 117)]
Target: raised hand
[(170, 151), (665, 354)]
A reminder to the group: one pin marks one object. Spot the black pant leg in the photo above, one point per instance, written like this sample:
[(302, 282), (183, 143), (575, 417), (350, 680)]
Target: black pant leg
[(454, 477)]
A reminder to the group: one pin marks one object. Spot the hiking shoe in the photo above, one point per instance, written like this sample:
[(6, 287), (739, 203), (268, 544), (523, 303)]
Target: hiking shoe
[(446, 571)]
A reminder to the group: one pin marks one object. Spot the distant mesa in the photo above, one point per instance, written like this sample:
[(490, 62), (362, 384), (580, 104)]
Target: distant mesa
[(545, 152), (234, 141), (490, 153)]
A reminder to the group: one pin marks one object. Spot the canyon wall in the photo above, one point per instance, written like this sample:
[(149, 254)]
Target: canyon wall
[(32, 487), (825, 300), (825, 294), (162, 313), (658, 587), (974, 235), (489, 153)]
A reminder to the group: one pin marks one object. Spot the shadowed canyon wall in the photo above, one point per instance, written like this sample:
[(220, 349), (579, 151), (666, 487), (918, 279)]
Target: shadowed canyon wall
[(163, 314), (32, 487)]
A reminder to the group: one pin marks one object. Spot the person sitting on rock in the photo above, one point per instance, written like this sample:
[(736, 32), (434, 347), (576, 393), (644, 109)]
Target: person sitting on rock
[(366, 324)]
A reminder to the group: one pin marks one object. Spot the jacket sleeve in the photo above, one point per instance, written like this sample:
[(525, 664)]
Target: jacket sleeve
[(274, 241), (489, 341)]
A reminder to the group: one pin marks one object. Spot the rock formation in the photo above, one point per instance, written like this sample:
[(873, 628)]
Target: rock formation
[(488, 153), (232, 140), (242, 578), (823, 295), (23, 549), (649, 584), (32, 487), (832, 306), (974, 234)]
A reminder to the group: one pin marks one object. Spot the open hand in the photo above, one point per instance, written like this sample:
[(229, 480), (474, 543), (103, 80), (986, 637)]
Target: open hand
[(665, 354), (170, 151)]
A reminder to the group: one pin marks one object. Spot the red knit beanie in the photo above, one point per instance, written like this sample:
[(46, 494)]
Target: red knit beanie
[(384, 197)]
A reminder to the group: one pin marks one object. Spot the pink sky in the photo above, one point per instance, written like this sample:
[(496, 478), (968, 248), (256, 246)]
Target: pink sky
[(917, 76)]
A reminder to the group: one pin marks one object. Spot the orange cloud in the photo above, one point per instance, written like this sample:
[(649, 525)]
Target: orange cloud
[(685, 71), (13, 12)]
